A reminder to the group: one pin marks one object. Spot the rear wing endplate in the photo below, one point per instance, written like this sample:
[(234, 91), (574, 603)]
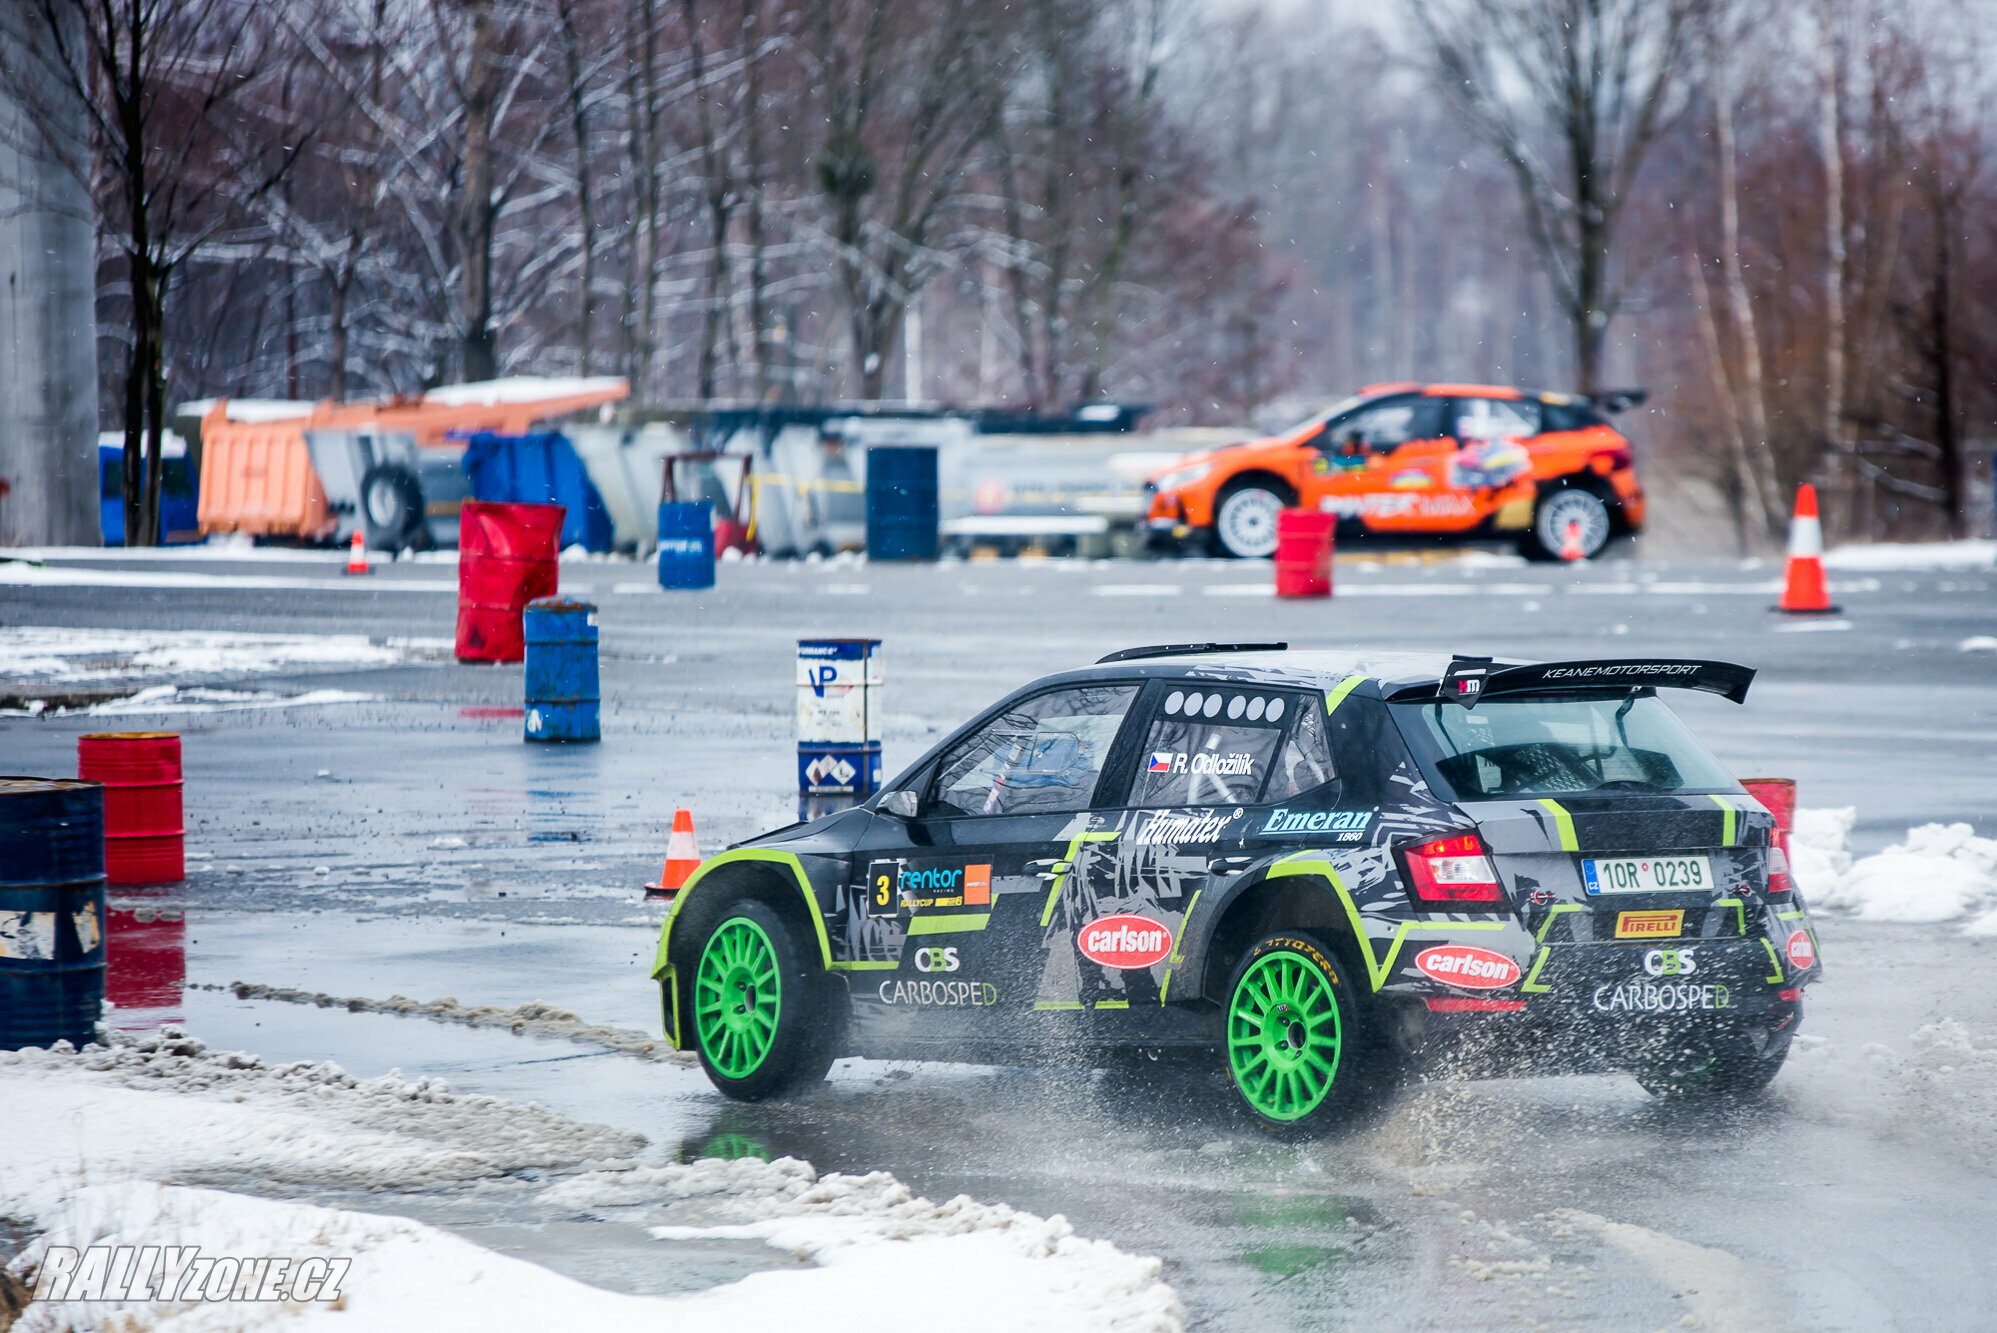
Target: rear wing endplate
[(1471, 679)]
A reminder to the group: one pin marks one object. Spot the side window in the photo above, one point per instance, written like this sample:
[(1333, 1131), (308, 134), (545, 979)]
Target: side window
[(1496, 419), (1386, 426), (1210, 745), (1043, 755), (1305, 760)]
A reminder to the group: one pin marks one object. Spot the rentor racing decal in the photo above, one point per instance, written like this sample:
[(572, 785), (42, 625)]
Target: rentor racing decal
[(1467, 966), (1125, 942)]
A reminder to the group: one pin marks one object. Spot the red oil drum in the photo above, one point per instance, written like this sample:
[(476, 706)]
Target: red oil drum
[(1303, 553), (506, 559), (146, 962), (144, 839)]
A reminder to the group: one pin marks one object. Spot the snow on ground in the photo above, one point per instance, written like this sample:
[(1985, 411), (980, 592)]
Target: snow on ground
[(20, 573), (140, 1143), (1941, 1091), (68, 655), (1914, 555), (1938, 872)]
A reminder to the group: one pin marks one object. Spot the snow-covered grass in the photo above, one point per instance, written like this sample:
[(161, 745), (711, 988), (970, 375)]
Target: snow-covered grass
[(146, 1141), (68, 655), (1938, 872), (1914, 555)]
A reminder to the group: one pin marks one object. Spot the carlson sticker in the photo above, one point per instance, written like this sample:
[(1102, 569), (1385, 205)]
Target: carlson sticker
[(1802, 951), (1461, 965), (1124, 943)]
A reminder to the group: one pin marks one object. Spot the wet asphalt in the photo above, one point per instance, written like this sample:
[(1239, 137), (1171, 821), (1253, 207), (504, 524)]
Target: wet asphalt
[(413, 844)]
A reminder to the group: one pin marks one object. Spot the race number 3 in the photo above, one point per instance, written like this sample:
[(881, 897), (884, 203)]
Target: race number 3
[(884, 888)]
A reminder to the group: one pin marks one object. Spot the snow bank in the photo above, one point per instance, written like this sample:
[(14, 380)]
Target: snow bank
[(123, 1144), (101, 654), (1939, 872), (535, 1018), (1940, 1092), (1914, 555)]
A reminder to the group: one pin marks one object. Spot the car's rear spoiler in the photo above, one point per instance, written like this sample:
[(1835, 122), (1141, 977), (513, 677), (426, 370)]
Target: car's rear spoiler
[(1469, 679)]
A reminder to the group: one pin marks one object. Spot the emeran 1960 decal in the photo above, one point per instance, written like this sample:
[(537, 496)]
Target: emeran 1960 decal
[(1347, 825)]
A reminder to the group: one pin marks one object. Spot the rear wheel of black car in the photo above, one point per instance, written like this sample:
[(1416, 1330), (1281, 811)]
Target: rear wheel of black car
[(1720, 1064), (1568, 513), (1244, 517), (759, 1011), (1299, 1051)]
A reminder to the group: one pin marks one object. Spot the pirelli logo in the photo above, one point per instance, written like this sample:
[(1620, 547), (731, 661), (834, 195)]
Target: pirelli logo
[(1649, 925)]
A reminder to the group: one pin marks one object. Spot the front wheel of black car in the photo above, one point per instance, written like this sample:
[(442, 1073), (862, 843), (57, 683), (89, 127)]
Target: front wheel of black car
[(1721, 1064), (1298, 1049), (759, 1020)]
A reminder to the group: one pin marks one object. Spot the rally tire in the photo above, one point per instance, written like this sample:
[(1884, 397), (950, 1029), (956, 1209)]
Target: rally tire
[(757, 1005), (1297, 1046), (1244, 517), (391, 507), (1726, 1065), (1558, 507)]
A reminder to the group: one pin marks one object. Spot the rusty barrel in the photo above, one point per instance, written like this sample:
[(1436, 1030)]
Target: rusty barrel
[(144, 837), (1303, 553), (506, 559), (51, 911), (561, 686)]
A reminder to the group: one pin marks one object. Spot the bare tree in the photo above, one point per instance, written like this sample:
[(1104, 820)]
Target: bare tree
[(1573, 94), (157, 77)]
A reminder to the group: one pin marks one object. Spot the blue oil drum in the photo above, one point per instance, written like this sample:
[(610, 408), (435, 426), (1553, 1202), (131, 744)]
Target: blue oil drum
[(562, 694), (686, 544), (903, 514), (51, 911)]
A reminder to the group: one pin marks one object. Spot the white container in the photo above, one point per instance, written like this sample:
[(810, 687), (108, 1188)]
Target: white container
[(839, 691)]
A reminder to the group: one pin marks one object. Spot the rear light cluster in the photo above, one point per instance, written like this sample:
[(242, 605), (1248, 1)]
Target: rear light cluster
[(1446, 872), (1779, 883)]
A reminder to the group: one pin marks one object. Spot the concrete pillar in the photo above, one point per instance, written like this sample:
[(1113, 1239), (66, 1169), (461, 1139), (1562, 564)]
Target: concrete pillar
[(48, 328)]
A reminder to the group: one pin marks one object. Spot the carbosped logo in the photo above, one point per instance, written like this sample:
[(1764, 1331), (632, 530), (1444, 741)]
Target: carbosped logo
[(1124, 943), (1462, 965), (1802, 951), (944, 994), (1670, 963), (1646, 997), (936, 960)]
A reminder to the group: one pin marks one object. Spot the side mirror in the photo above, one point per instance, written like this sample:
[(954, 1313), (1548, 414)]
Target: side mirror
[(900, 804)]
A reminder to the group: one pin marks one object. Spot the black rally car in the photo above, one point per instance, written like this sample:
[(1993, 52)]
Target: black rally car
[(1317, 865)]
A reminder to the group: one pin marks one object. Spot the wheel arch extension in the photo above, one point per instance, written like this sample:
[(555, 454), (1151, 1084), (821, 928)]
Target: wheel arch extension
[(1253, 476), (774, 876), (1303, 893)]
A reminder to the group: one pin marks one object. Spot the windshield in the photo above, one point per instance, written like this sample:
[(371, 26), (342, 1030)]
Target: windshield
[(1549, 747)]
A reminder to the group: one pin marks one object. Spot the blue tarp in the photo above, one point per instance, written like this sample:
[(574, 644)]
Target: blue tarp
[(539, 469)]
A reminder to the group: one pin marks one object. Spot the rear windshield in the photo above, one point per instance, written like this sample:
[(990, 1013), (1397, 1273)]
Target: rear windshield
[(1549, 747)]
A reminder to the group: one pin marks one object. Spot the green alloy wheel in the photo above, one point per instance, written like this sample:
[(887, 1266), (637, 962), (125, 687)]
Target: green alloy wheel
[(1291, 1034), (759, 1005), (737, 997)]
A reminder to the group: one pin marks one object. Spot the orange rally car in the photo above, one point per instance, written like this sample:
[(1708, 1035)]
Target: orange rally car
[(1417, 459)]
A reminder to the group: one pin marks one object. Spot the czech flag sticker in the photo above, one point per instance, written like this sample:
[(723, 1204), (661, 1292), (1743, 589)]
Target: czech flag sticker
[(1161, 761)]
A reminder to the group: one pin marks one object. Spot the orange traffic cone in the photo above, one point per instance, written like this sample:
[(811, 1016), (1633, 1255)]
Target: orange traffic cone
[(357, 555), (682, 858), (1803, 590), (1570, 542)]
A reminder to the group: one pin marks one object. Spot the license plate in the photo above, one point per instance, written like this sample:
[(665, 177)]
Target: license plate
[(1647, 874)]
